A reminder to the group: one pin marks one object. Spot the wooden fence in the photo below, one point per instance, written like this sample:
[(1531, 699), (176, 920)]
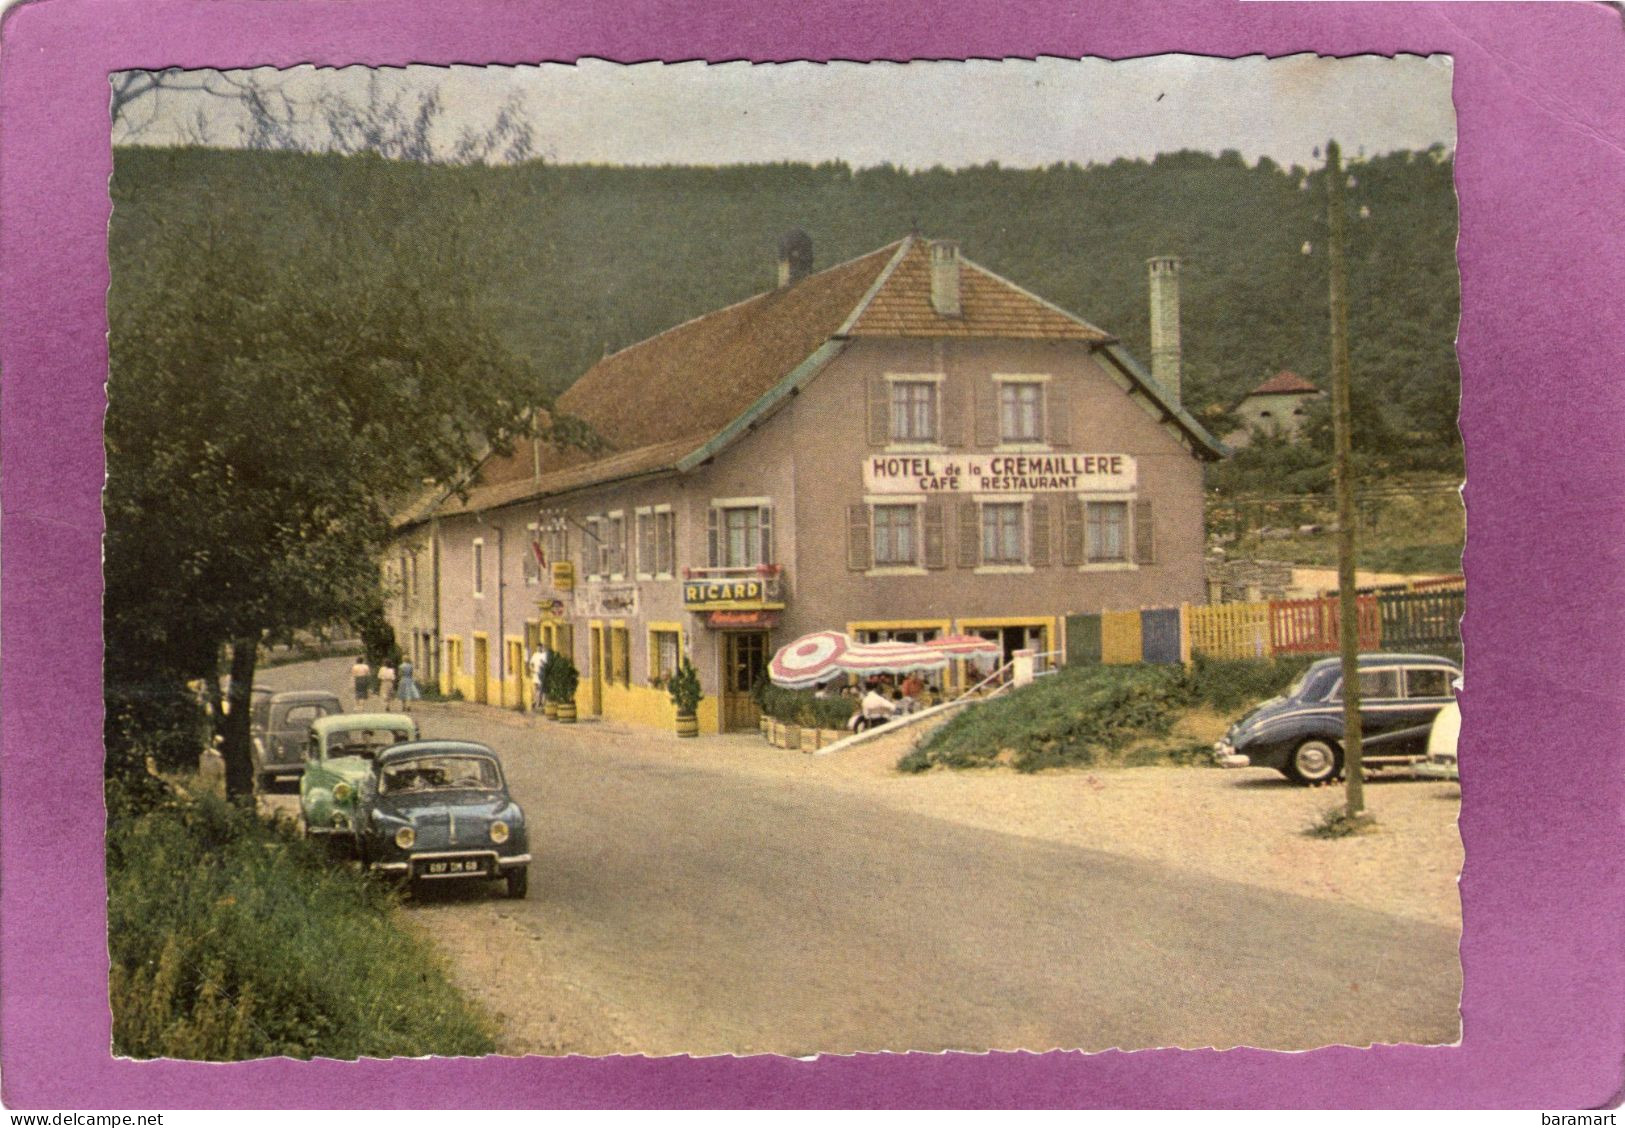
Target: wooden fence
[(1428, 619), (1310, 626), (1229, 630)]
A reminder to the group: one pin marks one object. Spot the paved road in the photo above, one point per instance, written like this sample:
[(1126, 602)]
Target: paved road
[(679, 909)]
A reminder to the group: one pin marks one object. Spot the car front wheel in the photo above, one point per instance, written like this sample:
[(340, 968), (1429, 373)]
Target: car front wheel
[(1315, 761), (518, 882)]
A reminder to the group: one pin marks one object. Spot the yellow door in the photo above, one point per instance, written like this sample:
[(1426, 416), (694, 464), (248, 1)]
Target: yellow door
[(453, 671), (482, 670), (514, 682), (595, 673)]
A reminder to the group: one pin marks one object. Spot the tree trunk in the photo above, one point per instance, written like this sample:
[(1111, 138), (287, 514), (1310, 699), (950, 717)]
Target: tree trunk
[(237, 748)]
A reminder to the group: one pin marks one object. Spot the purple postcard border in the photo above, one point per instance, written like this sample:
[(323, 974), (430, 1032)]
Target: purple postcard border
[(1541, 107)]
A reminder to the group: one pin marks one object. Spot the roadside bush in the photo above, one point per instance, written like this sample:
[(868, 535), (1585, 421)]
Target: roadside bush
[(1228, 684), (161, 719), (1087, 715), (230, 938), (1079, 716), (803, 707)]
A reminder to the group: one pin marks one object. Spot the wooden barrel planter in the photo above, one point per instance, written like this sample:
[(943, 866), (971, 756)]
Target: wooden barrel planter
[(688, 725), (550, 710), (567, 712)]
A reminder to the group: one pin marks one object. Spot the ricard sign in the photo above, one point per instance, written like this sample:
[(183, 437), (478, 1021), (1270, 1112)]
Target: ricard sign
[(997, 473)]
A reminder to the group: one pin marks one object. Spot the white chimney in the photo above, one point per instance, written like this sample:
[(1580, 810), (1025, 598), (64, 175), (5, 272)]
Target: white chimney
[(1165, 323), (945, 278)]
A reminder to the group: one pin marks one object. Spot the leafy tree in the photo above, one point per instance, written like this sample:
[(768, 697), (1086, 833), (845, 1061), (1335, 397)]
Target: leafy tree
[(265, 412)]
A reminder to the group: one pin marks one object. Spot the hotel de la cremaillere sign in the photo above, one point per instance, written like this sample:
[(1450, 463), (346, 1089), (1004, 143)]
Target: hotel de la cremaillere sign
[(998, 473)]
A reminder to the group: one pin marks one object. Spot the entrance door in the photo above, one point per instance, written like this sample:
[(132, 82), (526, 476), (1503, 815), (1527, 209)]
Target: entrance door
[(482, 670), (514, 681), (744, 660), (595, 672)]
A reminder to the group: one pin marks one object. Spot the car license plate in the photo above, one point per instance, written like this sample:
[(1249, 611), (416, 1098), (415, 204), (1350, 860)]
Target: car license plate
[(447, 868)]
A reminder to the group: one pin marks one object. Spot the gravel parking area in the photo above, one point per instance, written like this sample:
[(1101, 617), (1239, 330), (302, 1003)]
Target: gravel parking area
[(1243, 825)]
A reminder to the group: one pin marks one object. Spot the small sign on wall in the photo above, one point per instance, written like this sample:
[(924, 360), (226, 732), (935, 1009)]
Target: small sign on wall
[(998, 473)]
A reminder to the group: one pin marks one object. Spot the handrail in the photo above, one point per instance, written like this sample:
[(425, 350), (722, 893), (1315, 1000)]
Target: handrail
[(969, 697)]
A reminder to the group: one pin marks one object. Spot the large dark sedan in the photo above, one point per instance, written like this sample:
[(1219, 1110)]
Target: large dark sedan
[(438, 810), (1300, 734)]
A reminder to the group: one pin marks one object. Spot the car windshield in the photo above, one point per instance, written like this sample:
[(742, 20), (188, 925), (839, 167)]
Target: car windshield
[(431, 773), (365, 742)]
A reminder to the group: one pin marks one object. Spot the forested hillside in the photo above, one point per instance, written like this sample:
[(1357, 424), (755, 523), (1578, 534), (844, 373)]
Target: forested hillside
[(569, 262)]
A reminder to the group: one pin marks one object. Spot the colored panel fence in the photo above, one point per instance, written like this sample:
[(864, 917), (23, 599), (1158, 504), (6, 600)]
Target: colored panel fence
[(1230, 630), (1422, 618), (1082, 639), (1159, 635), (1309, 626), (1120, 637)]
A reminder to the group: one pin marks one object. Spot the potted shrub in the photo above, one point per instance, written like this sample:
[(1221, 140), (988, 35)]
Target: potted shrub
[(561, 678), (684, 687)]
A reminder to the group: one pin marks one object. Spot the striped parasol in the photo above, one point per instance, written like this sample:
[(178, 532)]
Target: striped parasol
[(816, 658), (809, 660)]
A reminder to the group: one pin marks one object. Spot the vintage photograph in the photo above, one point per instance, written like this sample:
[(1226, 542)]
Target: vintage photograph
[(783, 558)]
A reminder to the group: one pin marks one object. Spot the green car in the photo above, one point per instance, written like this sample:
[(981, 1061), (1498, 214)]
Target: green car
[(338, 763)]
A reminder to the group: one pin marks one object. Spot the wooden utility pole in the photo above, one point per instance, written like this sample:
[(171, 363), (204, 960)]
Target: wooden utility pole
[(1347, 605)]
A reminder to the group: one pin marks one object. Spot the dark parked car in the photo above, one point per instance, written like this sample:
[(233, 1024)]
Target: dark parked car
[(280, 726), (440, 810), (1301, 733)]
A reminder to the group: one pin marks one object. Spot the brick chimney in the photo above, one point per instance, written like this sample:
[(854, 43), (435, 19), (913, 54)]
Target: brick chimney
[(795, 257), (945, 278), (1165, 323)]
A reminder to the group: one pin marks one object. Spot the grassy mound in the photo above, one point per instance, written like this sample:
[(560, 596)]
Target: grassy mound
[(1088, 715), (232, 939)]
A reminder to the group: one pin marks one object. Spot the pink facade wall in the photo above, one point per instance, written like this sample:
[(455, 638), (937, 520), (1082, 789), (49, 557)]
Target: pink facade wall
[(807, 459)]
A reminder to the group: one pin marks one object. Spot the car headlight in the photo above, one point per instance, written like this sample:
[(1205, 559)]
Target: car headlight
[(405, 836), (342, 792), (499, 832)]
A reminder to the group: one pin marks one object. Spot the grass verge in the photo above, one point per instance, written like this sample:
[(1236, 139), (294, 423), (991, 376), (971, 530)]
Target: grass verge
[(230, 939)]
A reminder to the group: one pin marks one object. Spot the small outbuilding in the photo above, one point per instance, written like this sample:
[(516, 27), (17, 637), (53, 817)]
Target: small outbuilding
[(1278, 406)]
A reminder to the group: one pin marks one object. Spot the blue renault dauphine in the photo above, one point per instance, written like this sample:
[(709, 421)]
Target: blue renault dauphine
[(1300, 734), (439, 810)]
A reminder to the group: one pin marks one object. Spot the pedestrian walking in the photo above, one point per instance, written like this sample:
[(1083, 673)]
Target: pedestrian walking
[(407, 689), (386, 683), (538, 676), (362, 673)]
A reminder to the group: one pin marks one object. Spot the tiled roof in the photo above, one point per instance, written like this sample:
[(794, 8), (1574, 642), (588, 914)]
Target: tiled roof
[(683, 393), (990, 307), (1283, 383), (651, 459), (700, 375)]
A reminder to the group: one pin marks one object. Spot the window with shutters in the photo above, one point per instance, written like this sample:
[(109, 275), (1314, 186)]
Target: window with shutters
[(644, 522), (656, 543), (665, 543), (663, 654), (1106, 532), (915, 406), (1003, 533), (1021, 412), (614, 560), (740, 536), (896, 535), (592, 553)]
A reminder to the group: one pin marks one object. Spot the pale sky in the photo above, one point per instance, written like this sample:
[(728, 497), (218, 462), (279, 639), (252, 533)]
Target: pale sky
[(1017, 112)]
